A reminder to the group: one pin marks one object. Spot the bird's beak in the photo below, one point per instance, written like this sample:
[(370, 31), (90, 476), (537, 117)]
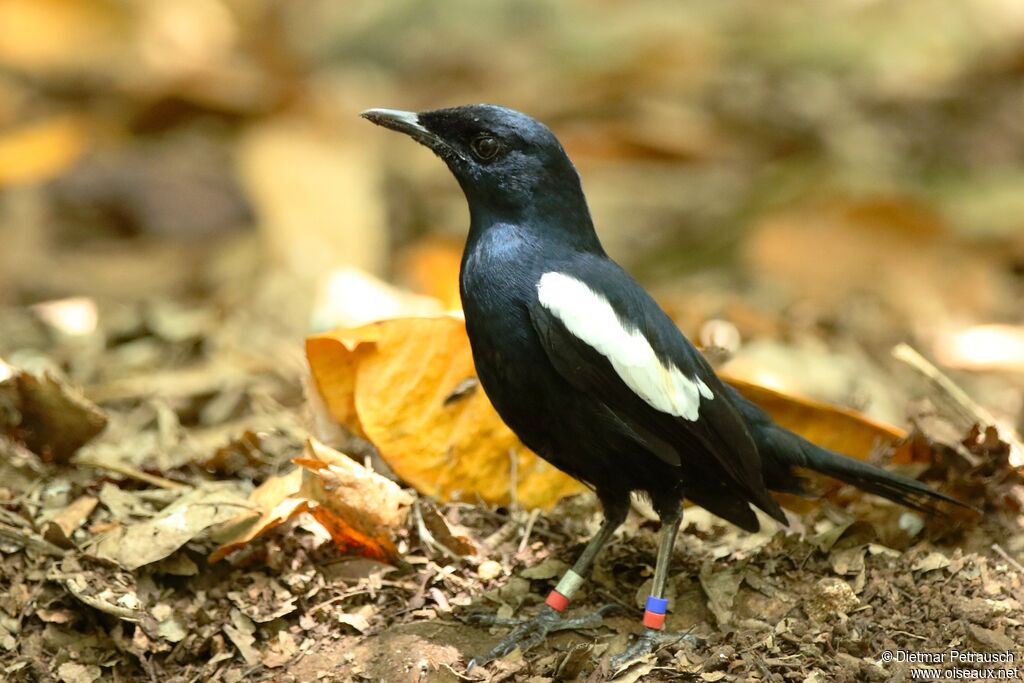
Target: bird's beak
[(404, 122)]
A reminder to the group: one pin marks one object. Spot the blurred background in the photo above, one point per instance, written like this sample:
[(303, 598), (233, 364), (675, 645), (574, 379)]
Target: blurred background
[(802, 184), (187, 193)]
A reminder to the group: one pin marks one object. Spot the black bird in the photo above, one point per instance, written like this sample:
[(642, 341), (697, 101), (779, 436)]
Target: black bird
[(587, 369)]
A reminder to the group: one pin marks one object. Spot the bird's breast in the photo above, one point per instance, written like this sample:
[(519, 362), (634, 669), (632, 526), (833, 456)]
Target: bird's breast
[(498, 278)]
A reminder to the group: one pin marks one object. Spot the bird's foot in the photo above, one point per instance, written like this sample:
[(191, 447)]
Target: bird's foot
[(528, 634), (649, 641)]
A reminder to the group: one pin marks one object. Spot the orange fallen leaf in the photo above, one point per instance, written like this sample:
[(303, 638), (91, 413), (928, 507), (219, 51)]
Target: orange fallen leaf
[(40, 151), (359, 508), (402, 384), (432, 268)]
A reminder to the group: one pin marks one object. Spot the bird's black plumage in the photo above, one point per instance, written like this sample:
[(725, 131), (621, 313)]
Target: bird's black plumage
[(581, 362)]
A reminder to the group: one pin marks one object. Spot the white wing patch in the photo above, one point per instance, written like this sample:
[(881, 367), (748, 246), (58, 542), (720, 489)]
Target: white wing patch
[(589, 317)]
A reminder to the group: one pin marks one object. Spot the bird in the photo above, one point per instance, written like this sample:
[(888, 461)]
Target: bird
[(591, 374)]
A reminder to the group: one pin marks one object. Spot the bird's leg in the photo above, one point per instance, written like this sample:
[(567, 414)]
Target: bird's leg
[(530, 633), (657, 605)]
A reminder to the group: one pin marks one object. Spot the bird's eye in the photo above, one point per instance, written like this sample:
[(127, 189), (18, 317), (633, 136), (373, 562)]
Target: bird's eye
[(485, 147)]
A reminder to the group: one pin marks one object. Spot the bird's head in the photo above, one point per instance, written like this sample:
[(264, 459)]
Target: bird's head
[(510, 166)]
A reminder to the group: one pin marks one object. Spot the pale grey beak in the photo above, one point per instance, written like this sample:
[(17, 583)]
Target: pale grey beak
[(403, 121), (408, 122)]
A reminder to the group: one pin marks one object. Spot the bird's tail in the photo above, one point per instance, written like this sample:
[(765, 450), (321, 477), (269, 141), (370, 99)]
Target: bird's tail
[(786, 451)]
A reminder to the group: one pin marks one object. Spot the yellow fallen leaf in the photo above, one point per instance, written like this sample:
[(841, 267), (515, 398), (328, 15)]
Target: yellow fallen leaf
[(63, 36), (406, 385), (40, 151)]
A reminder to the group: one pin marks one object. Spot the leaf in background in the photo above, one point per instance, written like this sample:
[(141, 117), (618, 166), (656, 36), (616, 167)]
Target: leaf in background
[(829, 426), (64, 37), (51, 418), (894, 248), (431, 267), (40, 151), (316, 193), (401, 384)]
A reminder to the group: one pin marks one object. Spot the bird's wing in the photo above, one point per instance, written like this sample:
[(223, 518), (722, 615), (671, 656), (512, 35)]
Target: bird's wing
[(608, 337)]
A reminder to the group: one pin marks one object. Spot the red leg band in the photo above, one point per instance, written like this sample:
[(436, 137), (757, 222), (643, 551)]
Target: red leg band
[(655, 621), (557, 601)]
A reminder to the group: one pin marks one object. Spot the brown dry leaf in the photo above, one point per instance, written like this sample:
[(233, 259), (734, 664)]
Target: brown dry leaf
[(359, 508), (135, 545), (280, 651), (437, 526), (40, 151), (242, 637), (73, 672), (49, 417), (59, 528), (931, 562), (392, 383), (102, 587)]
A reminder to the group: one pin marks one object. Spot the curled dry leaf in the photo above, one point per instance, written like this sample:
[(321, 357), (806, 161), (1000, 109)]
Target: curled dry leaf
[(59, 528), (49, 417), (389, 383), (438, 528), (358, 507)]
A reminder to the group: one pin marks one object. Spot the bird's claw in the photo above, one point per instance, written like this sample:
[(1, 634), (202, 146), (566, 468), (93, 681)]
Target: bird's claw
[(528, 634), (647, 643)]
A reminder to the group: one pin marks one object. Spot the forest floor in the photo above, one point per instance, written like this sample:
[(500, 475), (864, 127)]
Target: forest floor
[(105, 571)]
